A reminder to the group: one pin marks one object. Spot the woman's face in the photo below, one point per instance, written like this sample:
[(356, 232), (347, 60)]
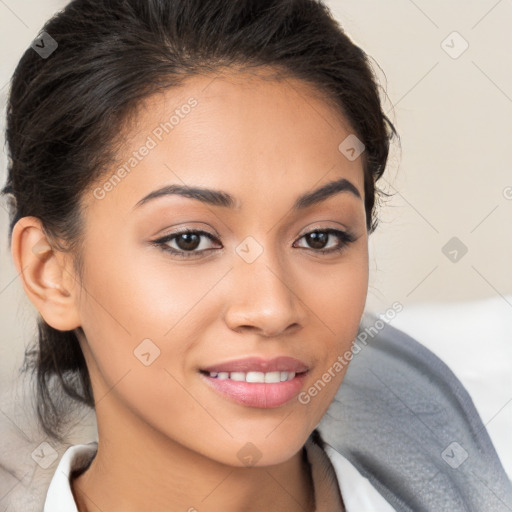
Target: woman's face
[(158, 309)]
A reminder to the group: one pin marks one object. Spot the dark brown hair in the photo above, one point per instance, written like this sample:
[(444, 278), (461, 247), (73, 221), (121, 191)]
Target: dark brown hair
[(64, 112)]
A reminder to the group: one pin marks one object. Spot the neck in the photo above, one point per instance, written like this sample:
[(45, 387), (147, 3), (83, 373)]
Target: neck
[(140, 469)]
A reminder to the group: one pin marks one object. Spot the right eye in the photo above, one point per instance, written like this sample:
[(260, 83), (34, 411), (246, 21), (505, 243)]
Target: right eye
[(187, 242)]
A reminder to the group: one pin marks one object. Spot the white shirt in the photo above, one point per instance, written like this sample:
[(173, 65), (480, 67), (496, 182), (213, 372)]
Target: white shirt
[(358, 493)]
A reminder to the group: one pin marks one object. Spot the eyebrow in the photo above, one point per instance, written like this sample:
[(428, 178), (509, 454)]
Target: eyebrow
[(224, 199)]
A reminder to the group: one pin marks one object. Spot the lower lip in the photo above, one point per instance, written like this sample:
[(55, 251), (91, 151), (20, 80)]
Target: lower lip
[(258, 394)]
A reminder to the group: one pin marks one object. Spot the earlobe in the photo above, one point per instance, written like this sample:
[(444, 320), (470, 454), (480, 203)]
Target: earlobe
[(46, 275)]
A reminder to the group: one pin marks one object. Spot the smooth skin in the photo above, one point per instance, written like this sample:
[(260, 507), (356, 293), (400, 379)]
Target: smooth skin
[(167, 440)]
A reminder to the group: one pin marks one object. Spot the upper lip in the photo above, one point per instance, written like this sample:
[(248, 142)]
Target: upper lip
[(260, 364)]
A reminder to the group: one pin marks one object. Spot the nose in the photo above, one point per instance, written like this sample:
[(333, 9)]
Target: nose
[(262, 298)]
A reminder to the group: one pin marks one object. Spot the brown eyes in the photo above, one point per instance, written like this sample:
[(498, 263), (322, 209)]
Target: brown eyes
[(189, 242)]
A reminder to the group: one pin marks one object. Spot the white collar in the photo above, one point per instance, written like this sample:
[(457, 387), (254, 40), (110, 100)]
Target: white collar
[(59, 497), (358, 493)]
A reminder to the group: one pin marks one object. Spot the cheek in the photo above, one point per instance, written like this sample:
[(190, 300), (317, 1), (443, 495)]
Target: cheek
[(336, 294), (144, 295), (337, 302), (141, 323), (143, 317)]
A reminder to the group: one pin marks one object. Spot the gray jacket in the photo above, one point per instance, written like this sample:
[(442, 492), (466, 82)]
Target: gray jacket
[(408, 425)]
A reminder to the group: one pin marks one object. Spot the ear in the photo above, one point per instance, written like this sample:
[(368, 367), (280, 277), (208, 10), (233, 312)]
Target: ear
[(47, 275)]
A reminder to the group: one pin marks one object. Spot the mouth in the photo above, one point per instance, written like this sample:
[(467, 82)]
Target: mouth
[(257, 382)]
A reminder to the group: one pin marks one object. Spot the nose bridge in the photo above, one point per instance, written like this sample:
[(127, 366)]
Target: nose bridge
[(262, 296)]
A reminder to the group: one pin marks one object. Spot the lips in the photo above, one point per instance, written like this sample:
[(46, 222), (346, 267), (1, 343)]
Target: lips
[(257, 382), (255, 364)]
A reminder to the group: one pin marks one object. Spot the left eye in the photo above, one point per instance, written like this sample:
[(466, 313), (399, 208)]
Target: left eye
[(318, 238)]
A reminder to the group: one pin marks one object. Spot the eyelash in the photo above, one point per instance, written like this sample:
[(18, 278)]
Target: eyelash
[(345, 238)]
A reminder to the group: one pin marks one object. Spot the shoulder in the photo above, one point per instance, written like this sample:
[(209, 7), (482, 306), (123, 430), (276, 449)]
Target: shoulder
[(28, 459), (404, 420)]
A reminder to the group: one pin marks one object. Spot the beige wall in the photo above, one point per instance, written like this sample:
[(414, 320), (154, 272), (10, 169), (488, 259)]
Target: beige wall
[(455, 120)]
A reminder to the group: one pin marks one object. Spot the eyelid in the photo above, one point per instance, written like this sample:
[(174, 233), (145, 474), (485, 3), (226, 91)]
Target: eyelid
[(318, 226)]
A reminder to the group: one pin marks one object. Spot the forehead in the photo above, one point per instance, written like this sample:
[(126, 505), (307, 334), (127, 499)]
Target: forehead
[(234, 131), (235, 97)]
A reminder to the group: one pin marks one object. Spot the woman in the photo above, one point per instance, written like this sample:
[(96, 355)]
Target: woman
[(194, 186)]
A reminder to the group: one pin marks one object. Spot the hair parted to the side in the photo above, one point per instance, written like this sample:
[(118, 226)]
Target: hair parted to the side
[(65, 111)]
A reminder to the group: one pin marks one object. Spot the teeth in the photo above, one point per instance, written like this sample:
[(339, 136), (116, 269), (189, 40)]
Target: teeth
[(270, 377), (273, 377), (255, 377)]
